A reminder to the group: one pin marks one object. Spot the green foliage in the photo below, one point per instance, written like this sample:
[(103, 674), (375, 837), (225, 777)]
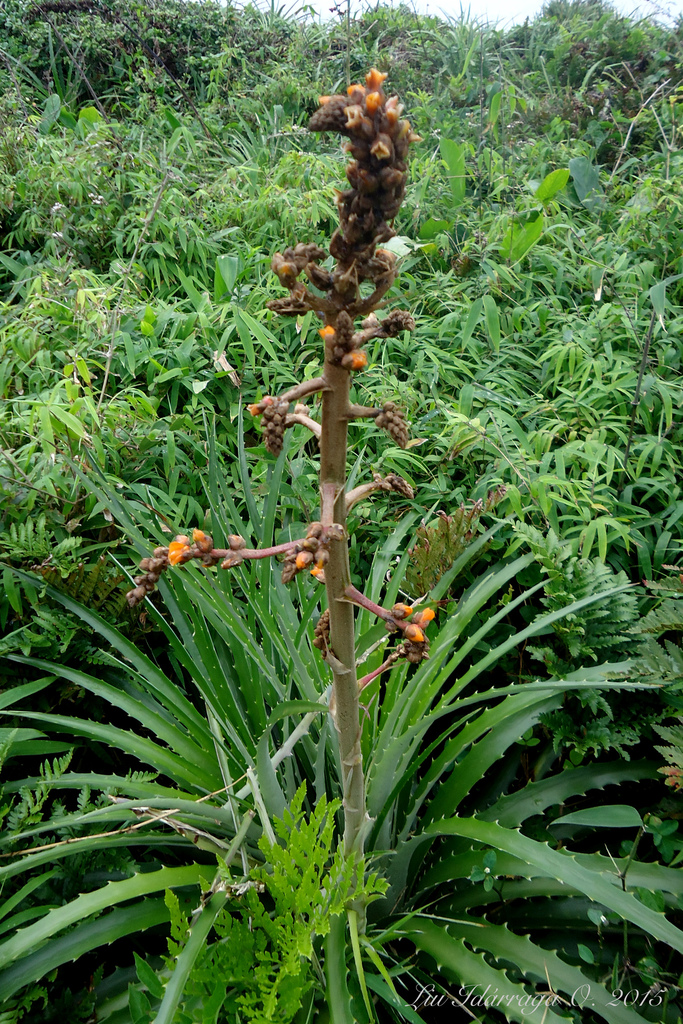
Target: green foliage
[(86, 261), (50, 628), (595, 634), (28, 809), (589, 722), (264, 951), (540, 244), (279, 679), (673, 753), (441, 543)]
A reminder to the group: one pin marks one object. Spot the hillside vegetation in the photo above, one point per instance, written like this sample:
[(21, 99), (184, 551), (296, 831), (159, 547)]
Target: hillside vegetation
[(153, 159)]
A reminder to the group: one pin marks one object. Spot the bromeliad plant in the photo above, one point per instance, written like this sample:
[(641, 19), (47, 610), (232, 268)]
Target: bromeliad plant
[(429, 774), (378, 142)]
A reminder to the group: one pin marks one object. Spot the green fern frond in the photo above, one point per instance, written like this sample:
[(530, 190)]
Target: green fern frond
[(441, 542), (673, 753), (665, 618), (600, 631)]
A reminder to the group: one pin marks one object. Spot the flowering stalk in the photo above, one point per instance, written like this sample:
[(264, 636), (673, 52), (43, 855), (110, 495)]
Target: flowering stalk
[(354, 286)]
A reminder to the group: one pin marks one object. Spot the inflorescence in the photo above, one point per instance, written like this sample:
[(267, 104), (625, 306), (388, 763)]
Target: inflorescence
[(362, 271)]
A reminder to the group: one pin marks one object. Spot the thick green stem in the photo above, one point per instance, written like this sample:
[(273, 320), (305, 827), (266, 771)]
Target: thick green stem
[(337, 578)]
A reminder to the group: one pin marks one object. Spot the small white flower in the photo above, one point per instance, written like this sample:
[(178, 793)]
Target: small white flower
[(57, 207)]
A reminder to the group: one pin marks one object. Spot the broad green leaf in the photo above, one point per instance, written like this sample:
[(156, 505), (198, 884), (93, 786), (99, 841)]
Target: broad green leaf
[(431, 228), (227, 269), (34, 883), (338, 996), (653, 900), (608, 816), (586, 180), (151, 718), (658, 298), (145, 749), (172, 119), (160, 685), (535, 961), (521, 235), (484, 740), (68, 419), (552, 184), (393, 999), (250, 325), (51, 112), (11, 590), (453, 153), (492, 321), (472, 320), (494, 106), (90, 114), (139, 1005)]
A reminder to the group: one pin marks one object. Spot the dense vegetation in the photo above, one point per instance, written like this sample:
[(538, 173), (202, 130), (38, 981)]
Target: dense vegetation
[(152, 160)]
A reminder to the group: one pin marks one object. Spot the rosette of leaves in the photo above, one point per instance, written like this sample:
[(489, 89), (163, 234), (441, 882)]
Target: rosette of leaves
[(437, 744)]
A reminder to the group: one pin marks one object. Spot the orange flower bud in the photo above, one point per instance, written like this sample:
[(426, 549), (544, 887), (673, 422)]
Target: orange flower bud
[(374, 79), (256, 408), (327, 332), (203, 541), (414, 633), (424, 616), (322, 100), (177, 550), (317, 571), (401, 611), (303, 559), (373, 101), (356, 86), (354, 361)]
